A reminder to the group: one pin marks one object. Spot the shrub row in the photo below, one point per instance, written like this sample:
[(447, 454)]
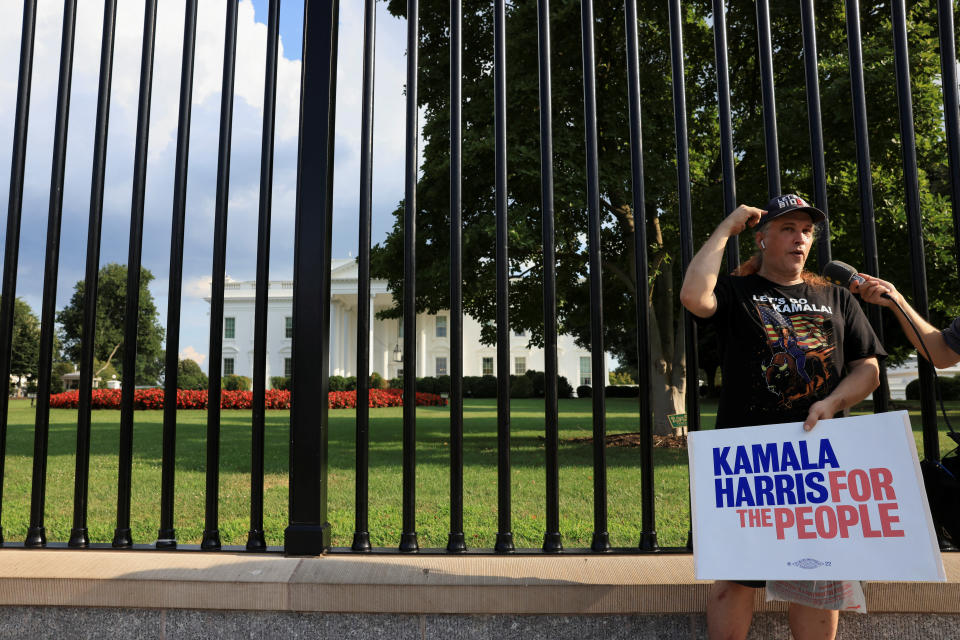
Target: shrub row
[(611, 391), (529, 385), (949, 388), (274, 398)]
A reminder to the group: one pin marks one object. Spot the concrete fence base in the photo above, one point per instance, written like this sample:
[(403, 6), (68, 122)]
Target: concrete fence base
[(225, 595)]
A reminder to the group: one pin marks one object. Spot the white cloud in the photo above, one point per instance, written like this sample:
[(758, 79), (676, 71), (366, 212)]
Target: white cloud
[(201, 194), (189, 353), (198, 287)]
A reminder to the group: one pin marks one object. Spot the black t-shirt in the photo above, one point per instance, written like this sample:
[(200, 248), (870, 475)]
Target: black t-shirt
[(783, 347)]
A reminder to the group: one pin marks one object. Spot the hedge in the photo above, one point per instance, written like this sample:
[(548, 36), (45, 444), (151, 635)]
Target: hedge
[(275, 399), (949, 388)]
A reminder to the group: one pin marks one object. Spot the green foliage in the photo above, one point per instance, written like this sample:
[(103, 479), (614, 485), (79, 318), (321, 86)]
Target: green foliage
[(190, 376), (377, 381), (564, 389), (427, 384), (521, 387), (111, 311), (350, 383), (279, 382), (584, 391), (949, 388), (234, 382), (396, 383), (25, 348), (622, 391), (58, 369), (659, 154), (621, 378), (337, 383)]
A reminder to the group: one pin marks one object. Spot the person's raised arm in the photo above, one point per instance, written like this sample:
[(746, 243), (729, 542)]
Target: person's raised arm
[(701, 276), (872, 290)]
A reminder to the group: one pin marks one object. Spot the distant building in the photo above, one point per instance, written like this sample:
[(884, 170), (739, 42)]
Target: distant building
[(386, 336), (900, 377)]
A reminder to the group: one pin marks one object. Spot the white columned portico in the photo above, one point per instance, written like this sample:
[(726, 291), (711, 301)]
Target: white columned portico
[(422, 360), (346, 342), (334, 339), (370, 339)]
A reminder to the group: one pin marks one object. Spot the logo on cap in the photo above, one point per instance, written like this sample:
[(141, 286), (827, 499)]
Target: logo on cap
[(791, 201)]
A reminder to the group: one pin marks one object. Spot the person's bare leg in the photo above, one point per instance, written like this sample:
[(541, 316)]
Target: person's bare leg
[(808, 623), (729, 610)]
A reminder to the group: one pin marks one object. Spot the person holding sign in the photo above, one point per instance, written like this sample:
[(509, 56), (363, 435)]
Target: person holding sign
[(944, 346), (792, 349)]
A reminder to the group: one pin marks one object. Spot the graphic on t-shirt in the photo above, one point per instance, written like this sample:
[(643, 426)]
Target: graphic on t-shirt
[(800, 348)]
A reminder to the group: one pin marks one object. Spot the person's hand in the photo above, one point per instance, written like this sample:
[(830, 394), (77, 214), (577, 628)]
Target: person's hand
[(821, 410), (872, 290), (742, 217)]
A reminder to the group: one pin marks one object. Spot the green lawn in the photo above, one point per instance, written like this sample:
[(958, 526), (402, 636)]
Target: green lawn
[(480, 490)]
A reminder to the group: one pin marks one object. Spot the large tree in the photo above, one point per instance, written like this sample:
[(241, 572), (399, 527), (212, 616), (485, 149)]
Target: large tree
[(25, 347), (108, 339), (659, 160)]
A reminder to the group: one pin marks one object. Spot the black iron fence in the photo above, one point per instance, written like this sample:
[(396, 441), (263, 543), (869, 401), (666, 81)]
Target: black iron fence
[(308, 531)]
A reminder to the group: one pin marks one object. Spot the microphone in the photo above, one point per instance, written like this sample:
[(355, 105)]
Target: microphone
[(843, 275)]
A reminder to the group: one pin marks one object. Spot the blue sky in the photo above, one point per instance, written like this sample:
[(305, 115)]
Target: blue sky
[(245, 158)]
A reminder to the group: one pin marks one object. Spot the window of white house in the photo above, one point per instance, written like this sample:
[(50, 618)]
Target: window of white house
[(400, 373), (519, 366), (229, 328), (228, 366), (487, 366), (441, 365), (399, 327), (441, 326), (288, 367), (585, 377), (288, 327)]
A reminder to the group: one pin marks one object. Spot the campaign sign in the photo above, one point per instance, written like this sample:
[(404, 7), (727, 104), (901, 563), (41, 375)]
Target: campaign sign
[(844, 501)]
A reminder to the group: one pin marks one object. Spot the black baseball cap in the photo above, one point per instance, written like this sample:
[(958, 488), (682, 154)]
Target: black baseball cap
[(788, 203)]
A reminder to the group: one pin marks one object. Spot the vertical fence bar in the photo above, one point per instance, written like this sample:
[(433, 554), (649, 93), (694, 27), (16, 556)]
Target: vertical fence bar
[(951, 107), (686, 221), (361, 535), (816, 127), (504, 542), (765, 53), (122, 537), (36, 535), (552, 540), (456, 541), (309, 532), (726, 127), (78, 534), (918, 272), (408, 537), (211, 529), (648, 530), (14, 211), (167, 535), (868, 229), (601, 537), (255, 537)]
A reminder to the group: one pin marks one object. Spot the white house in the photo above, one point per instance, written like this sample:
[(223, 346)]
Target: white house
[(900, 377), (433, 343)]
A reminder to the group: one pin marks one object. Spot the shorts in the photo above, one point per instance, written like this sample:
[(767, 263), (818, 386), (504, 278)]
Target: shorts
[(753, 584)]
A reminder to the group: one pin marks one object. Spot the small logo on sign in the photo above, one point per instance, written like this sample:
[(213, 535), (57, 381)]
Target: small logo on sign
[(808, 563)]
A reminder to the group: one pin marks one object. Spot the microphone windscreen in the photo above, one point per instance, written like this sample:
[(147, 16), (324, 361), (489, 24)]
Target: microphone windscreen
[(840, 273)]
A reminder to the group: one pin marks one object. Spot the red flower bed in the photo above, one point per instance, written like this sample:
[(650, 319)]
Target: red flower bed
[(275, 399)]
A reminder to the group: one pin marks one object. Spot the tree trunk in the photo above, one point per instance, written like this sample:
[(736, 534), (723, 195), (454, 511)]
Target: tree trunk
[(668, 356)]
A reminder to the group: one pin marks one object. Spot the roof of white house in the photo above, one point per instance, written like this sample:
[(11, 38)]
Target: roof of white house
[(344, 274)]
